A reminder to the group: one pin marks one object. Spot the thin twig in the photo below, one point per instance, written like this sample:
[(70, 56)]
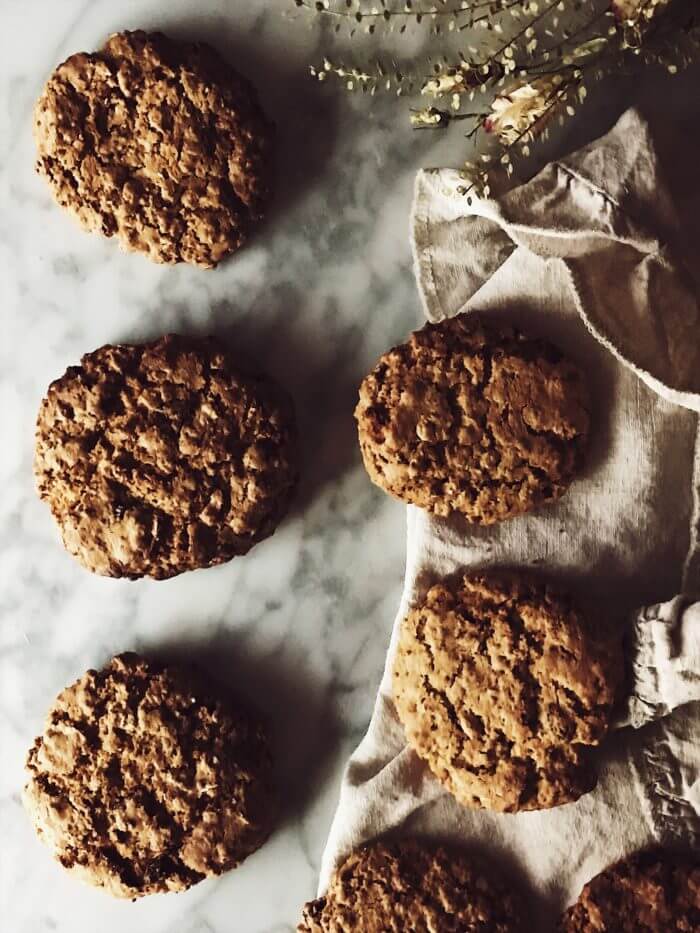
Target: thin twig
[(387, 13)]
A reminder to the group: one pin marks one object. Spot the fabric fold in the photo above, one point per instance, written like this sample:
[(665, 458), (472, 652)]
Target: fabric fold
[(631, 287), (584, 255), (664, 653)]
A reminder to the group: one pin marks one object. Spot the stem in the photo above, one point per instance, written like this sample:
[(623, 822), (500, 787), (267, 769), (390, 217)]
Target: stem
[(521, 32), (387, 14), (552, 101), (558, 46), (555, 100), (522, 66)]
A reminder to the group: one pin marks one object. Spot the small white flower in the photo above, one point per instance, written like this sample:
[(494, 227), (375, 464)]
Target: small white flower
[(522, 108), (473, 181), (444, 84)]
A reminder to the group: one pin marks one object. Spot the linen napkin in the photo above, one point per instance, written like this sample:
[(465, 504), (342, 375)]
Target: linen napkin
[(587, 254)]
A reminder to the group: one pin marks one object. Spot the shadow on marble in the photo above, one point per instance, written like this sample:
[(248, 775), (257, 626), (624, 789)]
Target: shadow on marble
[(322, 380), (305, 118), (299, 720), (320, 372)]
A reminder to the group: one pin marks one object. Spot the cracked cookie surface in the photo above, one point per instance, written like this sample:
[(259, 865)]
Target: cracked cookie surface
[(473, 419), (650, 892), (413, 887), (144, 781), (502, 690), (160, 143), (164, 457)]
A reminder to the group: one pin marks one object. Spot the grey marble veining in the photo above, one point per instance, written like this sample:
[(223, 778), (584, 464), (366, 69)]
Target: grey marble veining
[(300, 625)]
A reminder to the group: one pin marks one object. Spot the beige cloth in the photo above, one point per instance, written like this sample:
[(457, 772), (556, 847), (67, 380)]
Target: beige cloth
[(584, 255)]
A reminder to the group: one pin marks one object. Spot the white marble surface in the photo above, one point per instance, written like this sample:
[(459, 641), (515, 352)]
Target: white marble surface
[(301, 623)]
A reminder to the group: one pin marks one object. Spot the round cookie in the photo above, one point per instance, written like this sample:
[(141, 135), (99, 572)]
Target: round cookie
[(159, 143), (651, 892), (473, 419), (502, 691), (164, 457), (413, 887), (145, 782)]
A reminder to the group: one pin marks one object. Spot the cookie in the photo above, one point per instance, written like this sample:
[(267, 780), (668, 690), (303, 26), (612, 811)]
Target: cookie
[(144, 781), (159, 143), (413, 887), (503, 690), (650, 892), (164, 457), (473, 419)]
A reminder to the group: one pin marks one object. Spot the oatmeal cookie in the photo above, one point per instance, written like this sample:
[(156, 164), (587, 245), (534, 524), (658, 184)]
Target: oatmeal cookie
[(502, 689), (473, 419), (413, 887), (164, 457), (651, 892), (159, 143), (143, 781)]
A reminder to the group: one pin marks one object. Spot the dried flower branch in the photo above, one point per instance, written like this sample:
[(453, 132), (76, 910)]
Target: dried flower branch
[(534, 61), (632, 11), (526, 105)]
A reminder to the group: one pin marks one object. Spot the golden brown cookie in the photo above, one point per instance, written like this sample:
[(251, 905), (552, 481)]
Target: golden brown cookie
[(159, 143), (144, 781), (469, 418), (413, 887), (650, 892), (164, 457), (503, 690)]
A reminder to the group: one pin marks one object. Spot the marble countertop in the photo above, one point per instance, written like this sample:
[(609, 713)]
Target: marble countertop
[(300, 624)]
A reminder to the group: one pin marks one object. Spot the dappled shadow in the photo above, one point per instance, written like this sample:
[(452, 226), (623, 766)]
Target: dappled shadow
[(299, 720), (305, 118), (491, 857)]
